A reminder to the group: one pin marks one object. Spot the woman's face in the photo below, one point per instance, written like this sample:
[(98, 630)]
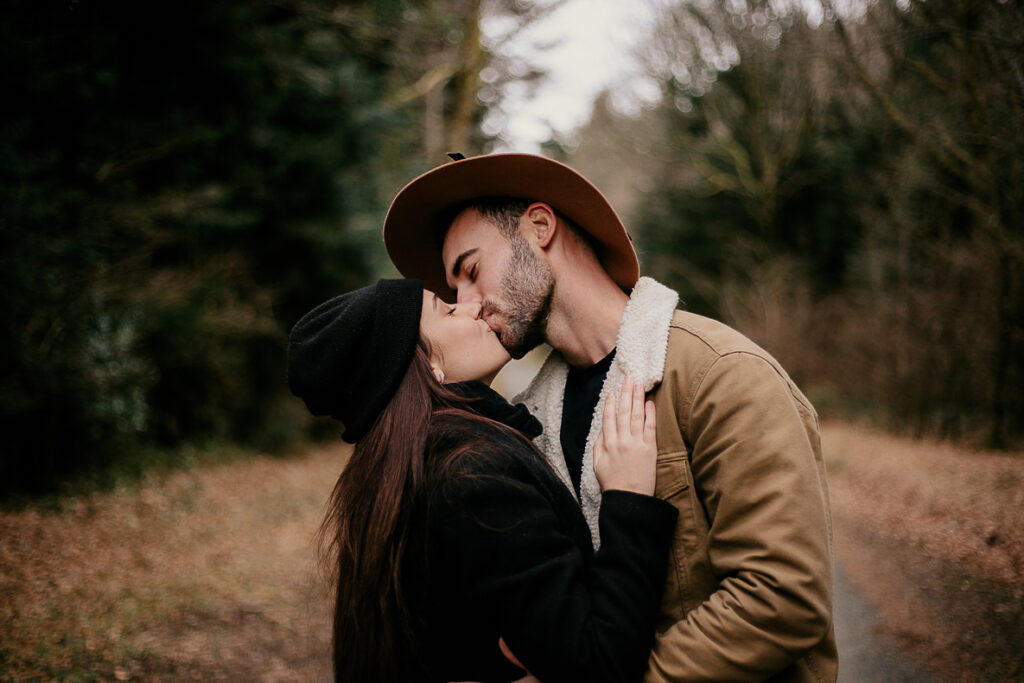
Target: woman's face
[(463, 347)]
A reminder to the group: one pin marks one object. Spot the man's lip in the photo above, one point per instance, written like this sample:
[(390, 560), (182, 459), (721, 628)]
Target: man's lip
[(487, 319)]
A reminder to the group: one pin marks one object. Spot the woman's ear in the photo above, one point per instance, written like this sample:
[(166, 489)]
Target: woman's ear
[(542, 220), (438, 372)]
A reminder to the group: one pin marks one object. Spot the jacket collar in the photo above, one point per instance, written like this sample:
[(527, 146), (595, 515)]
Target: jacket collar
[(491, 404), (641, 348)]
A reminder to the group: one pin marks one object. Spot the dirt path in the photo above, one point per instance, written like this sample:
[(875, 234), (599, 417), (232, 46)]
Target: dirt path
[(209, 574), (930, 537), (869, 654)]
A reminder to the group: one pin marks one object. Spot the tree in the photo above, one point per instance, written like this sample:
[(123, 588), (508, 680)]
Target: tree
[(947, 78), (845, 186), (747, 201), (180, 182)]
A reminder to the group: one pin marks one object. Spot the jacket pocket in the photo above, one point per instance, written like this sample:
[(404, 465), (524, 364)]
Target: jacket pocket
[(672, 475), (674, 484)]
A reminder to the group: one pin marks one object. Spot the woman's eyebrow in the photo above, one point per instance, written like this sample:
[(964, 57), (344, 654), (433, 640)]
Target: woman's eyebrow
[(434, 302)]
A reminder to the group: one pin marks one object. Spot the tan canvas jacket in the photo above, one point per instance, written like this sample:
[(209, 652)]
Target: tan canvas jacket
[(749, 590)]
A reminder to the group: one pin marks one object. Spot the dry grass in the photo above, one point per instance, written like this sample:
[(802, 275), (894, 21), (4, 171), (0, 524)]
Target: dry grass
[(208, 575), (934, 535)]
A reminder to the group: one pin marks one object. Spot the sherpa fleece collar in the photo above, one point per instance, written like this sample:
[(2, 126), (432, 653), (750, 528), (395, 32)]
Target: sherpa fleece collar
[(641, 346)]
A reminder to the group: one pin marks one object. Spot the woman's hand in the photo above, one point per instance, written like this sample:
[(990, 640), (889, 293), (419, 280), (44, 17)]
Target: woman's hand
[(625, 454)]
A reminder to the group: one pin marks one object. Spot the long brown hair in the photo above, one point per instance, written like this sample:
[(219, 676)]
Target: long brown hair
[(368, 530)]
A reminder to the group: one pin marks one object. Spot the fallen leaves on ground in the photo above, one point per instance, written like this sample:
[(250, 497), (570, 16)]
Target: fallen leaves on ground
[(209, 575), (933, 535)]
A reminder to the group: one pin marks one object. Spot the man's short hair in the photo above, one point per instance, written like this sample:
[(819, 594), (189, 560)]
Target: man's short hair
[(503, 212)]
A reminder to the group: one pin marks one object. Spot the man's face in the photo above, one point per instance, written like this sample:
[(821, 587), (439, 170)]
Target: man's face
[(510, 282)]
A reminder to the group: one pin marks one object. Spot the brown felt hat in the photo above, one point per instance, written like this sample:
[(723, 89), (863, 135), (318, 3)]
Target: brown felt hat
[(421, 213)]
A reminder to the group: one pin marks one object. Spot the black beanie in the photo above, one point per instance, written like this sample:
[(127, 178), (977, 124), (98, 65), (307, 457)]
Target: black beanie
[(347, 356)]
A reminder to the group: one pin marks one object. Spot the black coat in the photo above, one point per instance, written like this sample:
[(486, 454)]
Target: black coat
[(507, 553)]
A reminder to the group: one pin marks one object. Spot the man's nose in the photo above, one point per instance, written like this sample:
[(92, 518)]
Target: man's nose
[(467, 295)]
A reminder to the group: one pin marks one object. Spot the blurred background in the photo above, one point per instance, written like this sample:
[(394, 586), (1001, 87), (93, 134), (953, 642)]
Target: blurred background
[(841, 180)]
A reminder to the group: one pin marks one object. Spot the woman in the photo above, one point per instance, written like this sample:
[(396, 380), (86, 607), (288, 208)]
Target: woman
[(448, 530)]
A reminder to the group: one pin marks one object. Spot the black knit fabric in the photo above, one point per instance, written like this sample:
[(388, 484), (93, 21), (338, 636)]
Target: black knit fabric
[(347, 356), (489, 403)]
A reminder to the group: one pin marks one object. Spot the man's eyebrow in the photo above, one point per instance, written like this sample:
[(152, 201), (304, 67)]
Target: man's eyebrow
[(462, 257)]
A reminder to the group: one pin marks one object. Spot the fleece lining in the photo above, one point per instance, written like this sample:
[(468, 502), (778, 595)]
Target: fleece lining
[(641, 346)]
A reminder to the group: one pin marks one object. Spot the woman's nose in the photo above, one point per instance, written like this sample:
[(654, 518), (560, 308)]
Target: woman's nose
[(471, 308)]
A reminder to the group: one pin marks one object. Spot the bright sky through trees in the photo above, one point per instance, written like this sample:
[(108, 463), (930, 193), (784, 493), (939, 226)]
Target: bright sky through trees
[(585, 45)]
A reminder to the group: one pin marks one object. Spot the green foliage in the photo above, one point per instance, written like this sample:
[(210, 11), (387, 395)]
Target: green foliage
[(180, 182), (760, 159), (859, 178)]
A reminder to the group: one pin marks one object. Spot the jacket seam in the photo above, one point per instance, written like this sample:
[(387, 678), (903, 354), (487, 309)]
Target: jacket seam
[(801, 402)]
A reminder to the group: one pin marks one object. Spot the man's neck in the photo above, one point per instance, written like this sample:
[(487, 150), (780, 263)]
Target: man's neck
[(585, 315)]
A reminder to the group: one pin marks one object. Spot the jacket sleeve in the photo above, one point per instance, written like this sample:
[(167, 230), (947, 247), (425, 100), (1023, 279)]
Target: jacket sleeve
[(565, 621), (769, 545)]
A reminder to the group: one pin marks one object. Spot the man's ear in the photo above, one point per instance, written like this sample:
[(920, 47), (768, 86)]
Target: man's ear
[(541, 221)]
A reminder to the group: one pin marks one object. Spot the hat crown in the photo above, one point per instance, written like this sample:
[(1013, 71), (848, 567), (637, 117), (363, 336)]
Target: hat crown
[(420, 212)]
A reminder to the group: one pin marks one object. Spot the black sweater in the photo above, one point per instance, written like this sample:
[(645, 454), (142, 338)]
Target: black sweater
[(506, 553)]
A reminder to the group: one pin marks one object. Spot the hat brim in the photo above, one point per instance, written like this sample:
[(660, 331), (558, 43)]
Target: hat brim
[(420, 213)]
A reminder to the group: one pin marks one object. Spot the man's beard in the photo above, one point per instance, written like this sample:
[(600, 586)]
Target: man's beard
[(527, 287)]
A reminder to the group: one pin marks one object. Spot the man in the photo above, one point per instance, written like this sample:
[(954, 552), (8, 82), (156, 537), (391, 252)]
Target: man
[(749, 589)]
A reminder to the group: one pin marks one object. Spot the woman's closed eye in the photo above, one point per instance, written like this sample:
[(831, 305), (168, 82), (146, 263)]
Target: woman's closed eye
[(451, 311)]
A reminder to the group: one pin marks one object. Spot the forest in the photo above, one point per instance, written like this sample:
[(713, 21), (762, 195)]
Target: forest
[(179, 182)]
